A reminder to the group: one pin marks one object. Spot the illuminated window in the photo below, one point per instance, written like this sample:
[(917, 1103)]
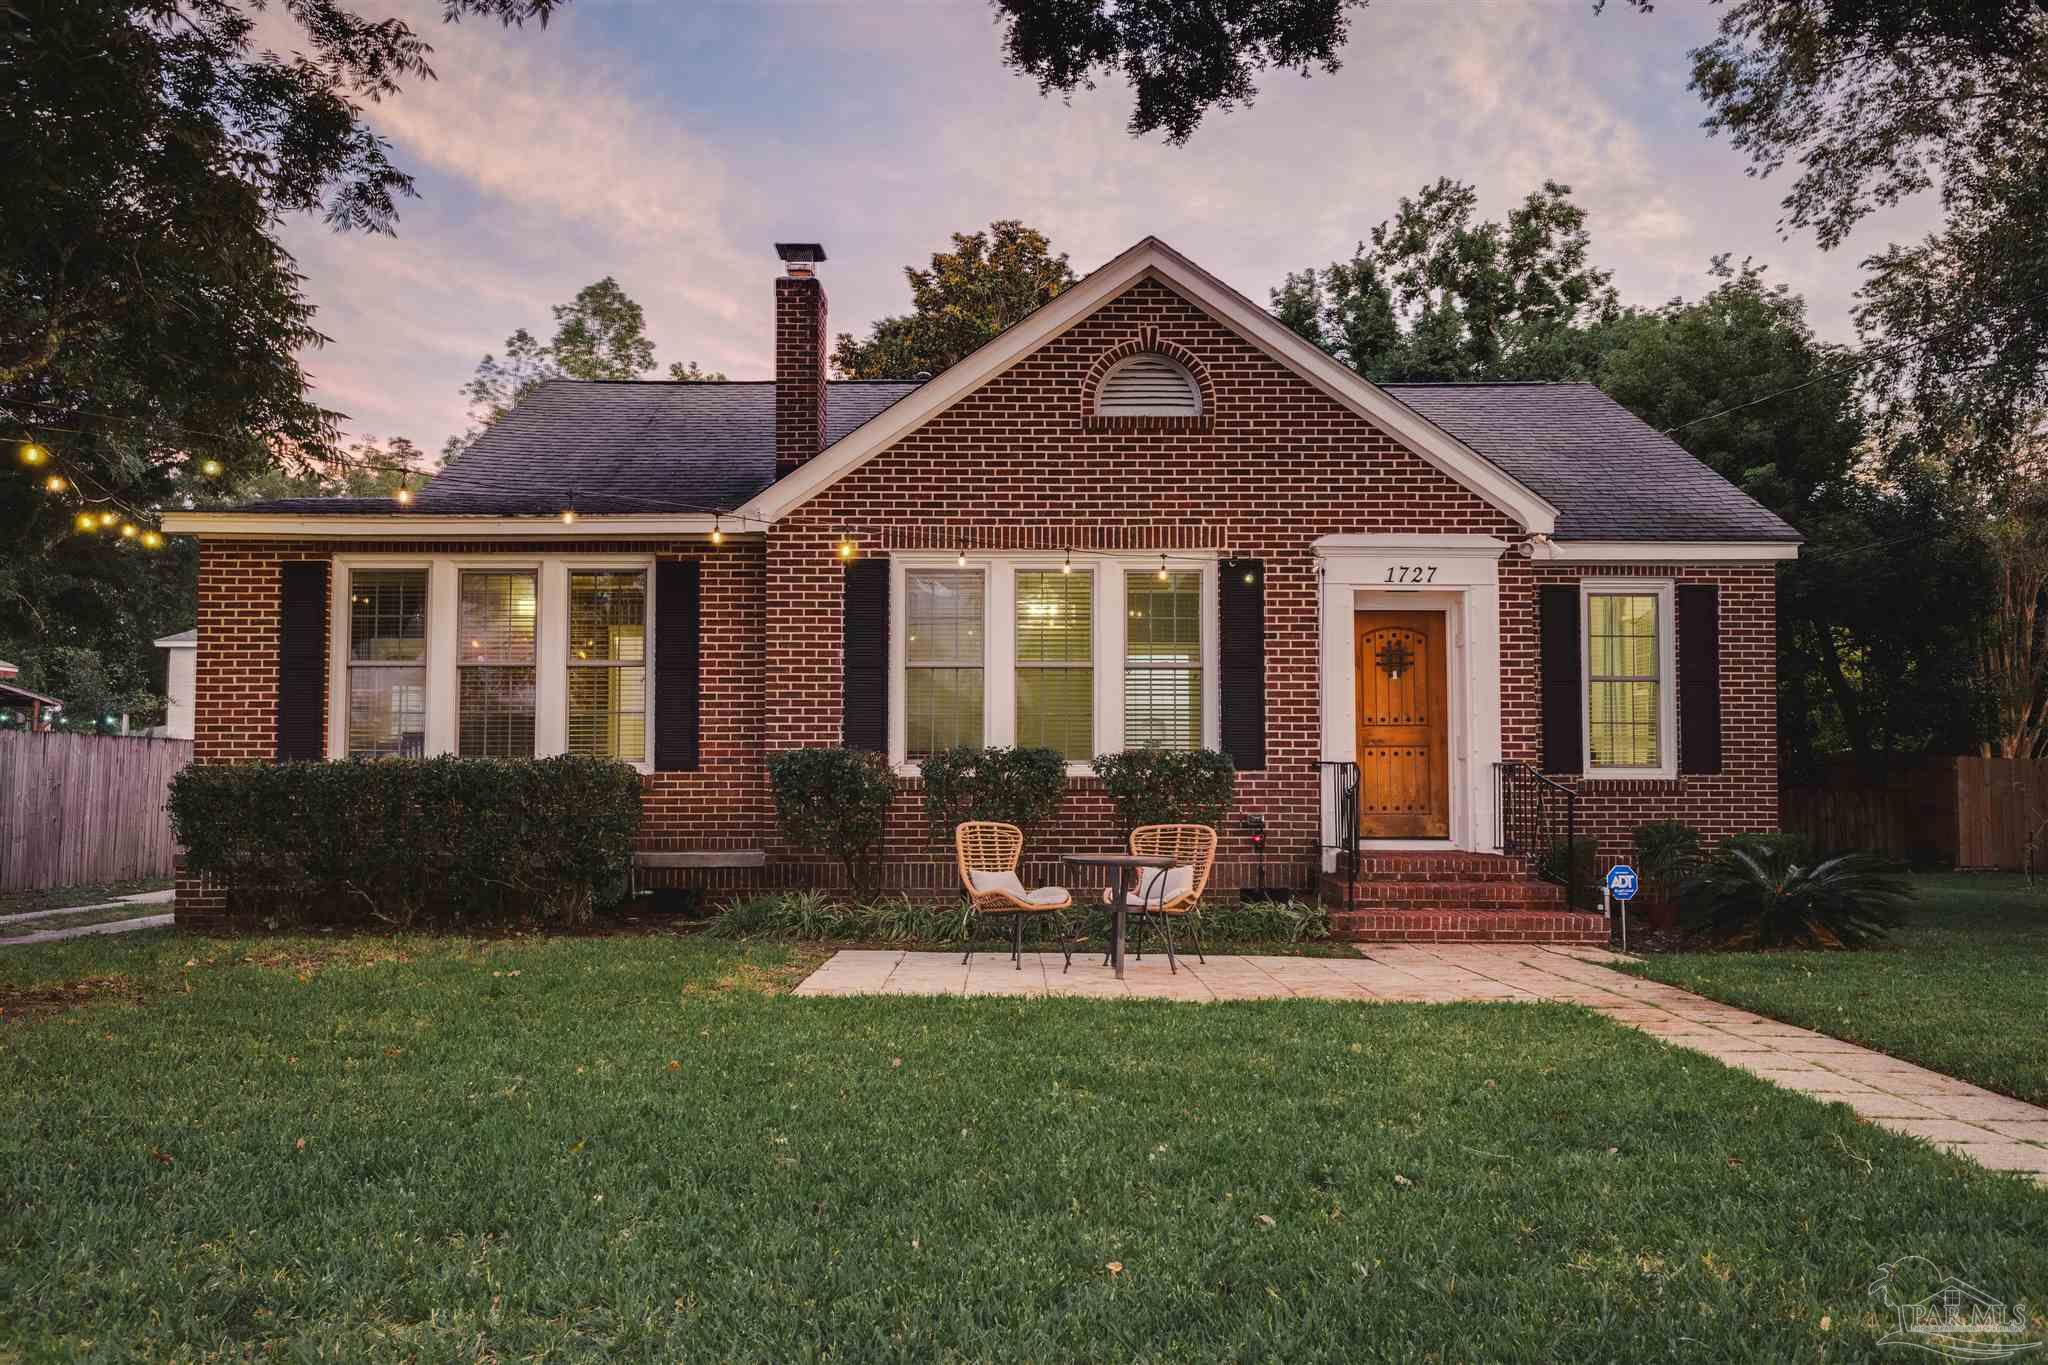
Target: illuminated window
[(608, 665), (1163, 661), (1625, 683), (495, 658), (943, 663), (387, 662), (1056, 662)]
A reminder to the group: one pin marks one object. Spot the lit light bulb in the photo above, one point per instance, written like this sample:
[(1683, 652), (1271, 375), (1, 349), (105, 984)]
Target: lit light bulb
[(152, 540), (33, 454), (1162, 568), (88, 522), (403, 497), (961, 559), (109, 518), (129, 530), (717, 532), (845, 548), (568, 516), (55, 484), (210, 468), (1067, 564)]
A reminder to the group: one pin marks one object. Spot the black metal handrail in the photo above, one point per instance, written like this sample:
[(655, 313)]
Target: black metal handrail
[(1531, 814), (1340, 794)]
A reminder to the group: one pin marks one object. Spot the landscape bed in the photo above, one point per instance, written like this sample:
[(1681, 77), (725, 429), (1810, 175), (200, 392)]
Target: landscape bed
[(420, 1148)]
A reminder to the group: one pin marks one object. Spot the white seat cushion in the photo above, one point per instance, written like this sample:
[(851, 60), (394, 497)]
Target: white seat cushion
[(1007, 884), (1154, 889)]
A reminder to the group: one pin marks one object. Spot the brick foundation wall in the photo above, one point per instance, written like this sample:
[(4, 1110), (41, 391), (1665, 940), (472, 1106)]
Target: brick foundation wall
[(1272, 465)]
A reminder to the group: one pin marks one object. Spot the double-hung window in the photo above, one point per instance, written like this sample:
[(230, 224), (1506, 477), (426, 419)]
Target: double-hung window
[(607, 665), (497, 612), (1628, 677), (1162, 661), (944, 666), (387, 663), (1056, 661)]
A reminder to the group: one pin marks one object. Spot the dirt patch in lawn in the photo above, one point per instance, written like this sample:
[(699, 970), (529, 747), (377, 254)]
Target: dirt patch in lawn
[(23, 1004), (759, 978)]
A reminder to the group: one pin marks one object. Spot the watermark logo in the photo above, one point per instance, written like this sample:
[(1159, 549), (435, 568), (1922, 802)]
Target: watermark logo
[(1949, 1317)]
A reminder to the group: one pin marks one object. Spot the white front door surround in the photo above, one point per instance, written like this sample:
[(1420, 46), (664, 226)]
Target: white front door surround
[(1460, 576)]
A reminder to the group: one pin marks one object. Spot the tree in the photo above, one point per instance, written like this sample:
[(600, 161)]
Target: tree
[(599, 334), (985, 283), (1180, 59), (691, 372), (367, 469), (1438, 295), (150, 321), (2016, 638)]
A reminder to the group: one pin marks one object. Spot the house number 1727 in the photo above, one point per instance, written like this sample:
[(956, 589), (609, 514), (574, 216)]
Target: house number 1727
[(1412, 573)]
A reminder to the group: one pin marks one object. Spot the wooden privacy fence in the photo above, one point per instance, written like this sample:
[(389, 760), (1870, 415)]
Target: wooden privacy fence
[(79, 809), (1961, 812)]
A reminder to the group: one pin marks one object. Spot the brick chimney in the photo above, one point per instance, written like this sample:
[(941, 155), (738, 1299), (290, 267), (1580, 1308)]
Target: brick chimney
[(799, 357)]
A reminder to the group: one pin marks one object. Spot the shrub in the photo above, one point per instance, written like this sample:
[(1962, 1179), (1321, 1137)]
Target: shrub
[(1667, 856), (835, 801), (1767, 898), (1020, 787), (405, 839), (1168, 786)]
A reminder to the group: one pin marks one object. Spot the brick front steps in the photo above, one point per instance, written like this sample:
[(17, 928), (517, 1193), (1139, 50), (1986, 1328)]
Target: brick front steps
[(1450, 897)]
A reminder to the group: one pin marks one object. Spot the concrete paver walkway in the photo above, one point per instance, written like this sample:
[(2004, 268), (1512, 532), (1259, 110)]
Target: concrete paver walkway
[(1989, 1128), (28, 934)]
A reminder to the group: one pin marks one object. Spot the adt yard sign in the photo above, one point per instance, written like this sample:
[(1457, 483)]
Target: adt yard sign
[(1621, 882)]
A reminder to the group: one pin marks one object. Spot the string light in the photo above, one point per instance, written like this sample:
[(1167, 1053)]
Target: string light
[(568, 516), (109, 518), (33, 454), (129, 530), (845, 546), (1067, 564), (1162, 569), (717, 532), (87, 522), (210, 468), (403, 497), (55, 484), (152, 540)]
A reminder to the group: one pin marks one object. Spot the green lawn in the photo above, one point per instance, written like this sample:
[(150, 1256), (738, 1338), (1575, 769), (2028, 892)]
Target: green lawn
[(639, 1148), (1961, 988)]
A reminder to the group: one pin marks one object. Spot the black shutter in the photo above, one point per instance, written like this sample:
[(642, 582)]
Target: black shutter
[(1241, 651), (678, 664), (1564, 735), (1699, 678), (864, 687), (302, 659)]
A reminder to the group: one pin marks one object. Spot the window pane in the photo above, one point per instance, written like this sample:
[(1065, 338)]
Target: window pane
[(387, 612), (1055, 617), (943, 618), (1163, 662), (1056, 710), (1055, 645), (387, 711), (496, 713), (1623, 731), (608, 617), (608, 713), (496, 618), (942, 707)]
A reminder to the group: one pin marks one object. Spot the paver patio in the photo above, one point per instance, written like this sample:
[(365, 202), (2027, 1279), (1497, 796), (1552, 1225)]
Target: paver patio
[(1992, 1129)]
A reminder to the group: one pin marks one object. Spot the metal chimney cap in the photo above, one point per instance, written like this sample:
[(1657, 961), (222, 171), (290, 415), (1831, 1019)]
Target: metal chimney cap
[(800, 253)]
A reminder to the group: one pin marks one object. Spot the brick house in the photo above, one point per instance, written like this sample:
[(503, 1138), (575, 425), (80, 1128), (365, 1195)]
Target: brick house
[(1148, 514)]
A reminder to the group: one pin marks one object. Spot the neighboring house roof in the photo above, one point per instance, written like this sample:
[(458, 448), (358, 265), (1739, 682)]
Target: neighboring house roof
[(1611, 475), (184, 639), (619, 446), (7, 670), (9, 690)]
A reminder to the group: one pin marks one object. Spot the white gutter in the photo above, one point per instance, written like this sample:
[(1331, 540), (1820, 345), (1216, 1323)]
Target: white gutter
[(426, 526)]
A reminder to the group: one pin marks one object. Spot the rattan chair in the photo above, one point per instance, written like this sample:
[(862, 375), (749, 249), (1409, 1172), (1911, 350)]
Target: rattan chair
[(1169, 893), (987, 853)]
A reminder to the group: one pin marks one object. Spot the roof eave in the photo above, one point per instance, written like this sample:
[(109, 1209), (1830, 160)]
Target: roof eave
[(1663, 551), (431, 525)]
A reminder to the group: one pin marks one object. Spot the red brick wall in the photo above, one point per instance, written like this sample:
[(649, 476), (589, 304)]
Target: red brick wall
[(1272, 466), (799, 370)]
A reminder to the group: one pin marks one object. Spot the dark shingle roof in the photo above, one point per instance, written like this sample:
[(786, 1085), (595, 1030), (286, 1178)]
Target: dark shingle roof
[(630, 446), (1610, 475)]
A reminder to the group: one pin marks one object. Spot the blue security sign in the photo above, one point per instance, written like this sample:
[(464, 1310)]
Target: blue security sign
[(1621, 882)]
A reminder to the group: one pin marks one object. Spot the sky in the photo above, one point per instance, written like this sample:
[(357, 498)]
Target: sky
[(670, 144)]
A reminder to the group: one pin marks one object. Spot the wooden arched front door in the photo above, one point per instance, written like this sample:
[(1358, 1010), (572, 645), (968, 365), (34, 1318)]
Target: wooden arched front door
[(1404, 789)]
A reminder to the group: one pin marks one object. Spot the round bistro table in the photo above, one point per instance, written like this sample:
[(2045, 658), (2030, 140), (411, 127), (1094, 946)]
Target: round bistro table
[(1123, 864)]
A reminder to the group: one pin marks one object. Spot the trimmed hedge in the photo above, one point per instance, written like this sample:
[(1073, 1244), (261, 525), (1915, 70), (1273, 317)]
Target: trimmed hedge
[(835, 801), (404, 839), (1168, 786), (1019, 787)]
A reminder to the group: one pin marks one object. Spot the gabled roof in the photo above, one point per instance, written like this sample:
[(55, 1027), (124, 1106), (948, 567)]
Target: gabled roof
[(628, 446), (1611, 475), (1154, 259)]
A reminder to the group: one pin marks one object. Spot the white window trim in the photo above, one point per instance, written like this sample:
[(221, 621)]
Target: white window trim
[(1667, 677), (999, 640), (550, 646)]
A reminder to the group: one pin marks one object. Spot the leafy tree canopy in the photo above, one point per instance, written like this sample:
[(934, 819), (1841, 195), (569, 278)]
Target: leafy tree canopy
[(1436, 294), (1180, 59), (599, 334), (986, 282)]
